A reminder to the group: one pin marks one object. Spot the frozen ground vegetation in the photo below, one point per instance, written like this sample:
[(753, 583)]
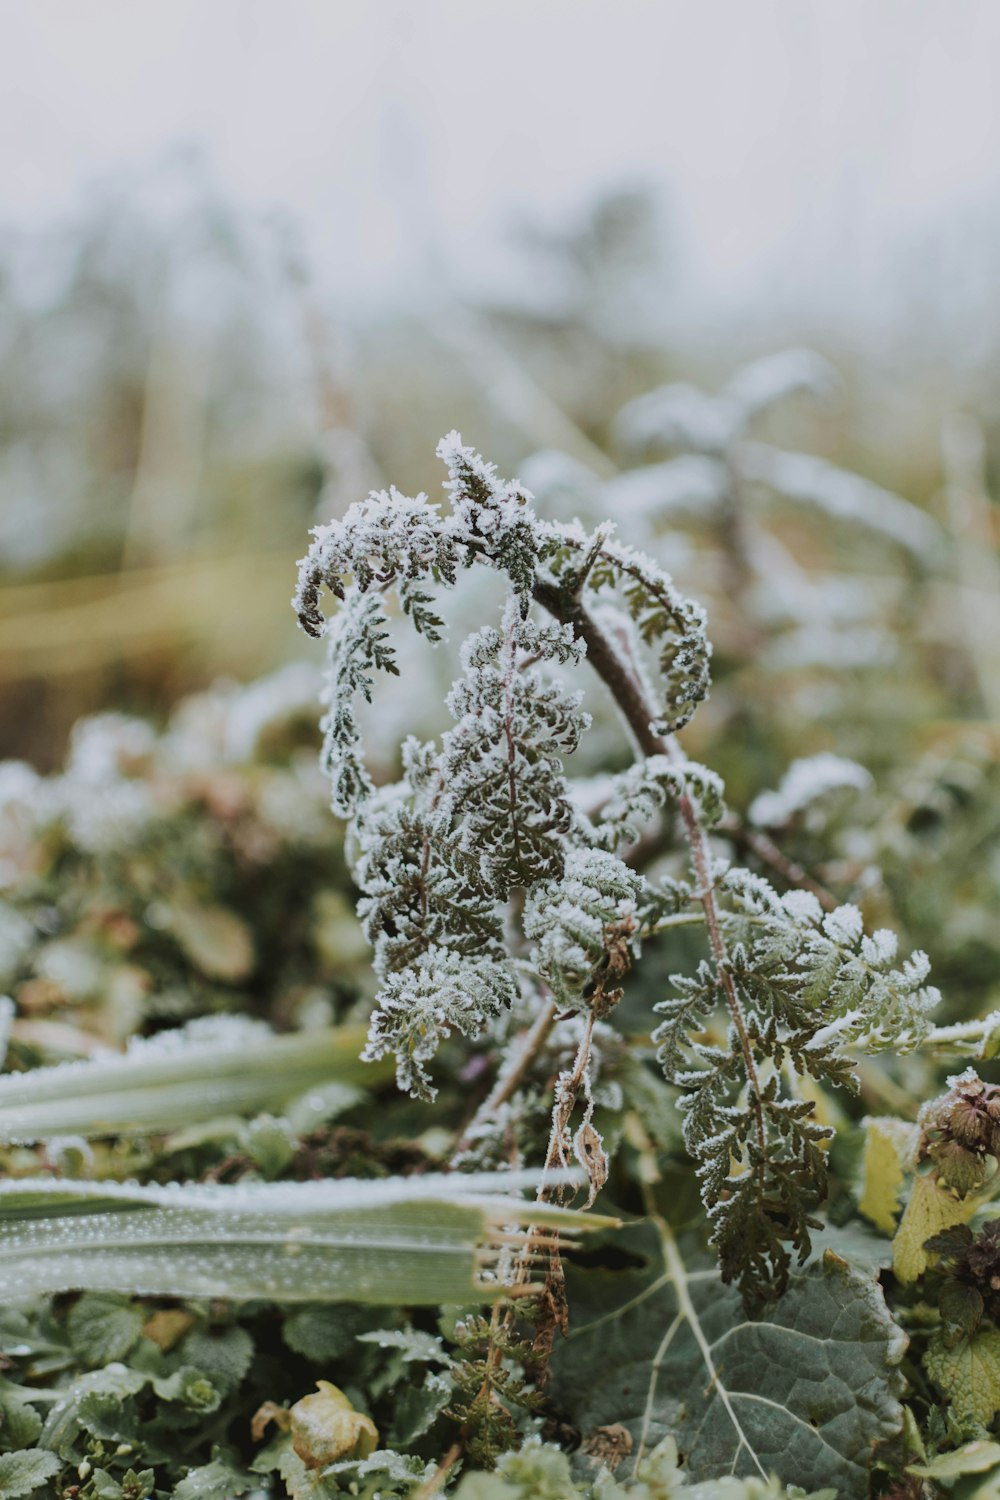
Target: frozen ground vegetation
[(573, 1113)]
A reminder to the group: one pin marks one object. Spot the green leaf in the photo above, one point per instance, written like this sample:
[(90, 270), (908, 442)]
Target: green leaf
[(104, 1326), (173, 1081), (416, 1408), (326, 1331), (75, 1407), (806, 1392), (223, 1354), (413, 1241), (20, 1423), (972, 1458), (968, 1374), (20, 1473), (221, 1479)]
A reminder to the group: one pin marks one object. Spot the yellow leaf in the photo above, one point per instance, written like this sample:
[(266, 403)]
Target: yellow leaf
[(968, 1374), (168, 1326), (325, 1427), (889, 1154), (930, 1209), (214, 939)]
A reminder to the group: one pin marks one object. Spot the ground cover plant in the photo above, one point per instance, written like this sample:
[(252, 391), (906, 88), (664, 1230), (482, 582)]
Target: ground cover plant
[(642, 1157)]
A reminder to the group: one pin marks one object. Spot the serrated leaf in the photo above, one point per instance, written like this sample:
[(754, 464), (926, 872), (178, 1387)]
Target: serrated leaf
[(929, 1209), (222, 1479), (63, 1421), (326, 1331), (20, 1423), (806, 1392), (889, 1151), (223, 1354), (104, 1326), (968, 1374), (417, 1407), (20, 1473)]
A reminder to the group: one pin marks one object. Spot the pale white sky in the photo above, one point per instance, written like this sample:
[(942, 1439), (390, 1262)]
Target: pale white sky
[(817, 151)]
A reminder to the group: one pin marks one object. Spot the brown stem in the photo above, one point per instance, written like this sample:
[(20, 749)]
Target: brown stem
[(627, 691), (508, 1083), (767, 851)]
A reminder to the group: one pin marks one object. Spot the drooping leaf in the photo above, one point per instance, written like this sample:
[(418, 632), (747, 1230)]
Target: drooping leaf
[(806, 1392), (972, 1458), (432, 1240)]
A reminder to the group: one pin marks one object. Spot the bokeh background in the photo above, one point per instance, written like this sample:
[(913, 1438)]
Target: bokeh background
[(256, 258)]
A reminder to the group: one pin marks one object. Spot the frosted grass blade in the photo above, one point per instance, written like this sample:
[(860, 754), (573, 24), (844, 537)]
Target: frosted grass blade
[(412, 1241), (165, 1084)]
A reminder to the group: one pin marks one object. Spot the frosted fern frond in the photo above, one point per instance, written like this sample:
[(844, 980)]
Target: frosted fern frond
[(821, 973), (667, 622), (358, 645), (501, 764), (677, 415), (492, 516), (420, 890), (791, 372), (807, 985), (806, 480), (419, 1006), (648, 787), (584, 927), (388, 540)]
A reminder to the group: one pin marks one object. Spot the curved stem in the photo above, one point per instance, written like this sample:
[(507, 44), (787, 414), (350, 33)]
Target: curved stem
[(629, 694)]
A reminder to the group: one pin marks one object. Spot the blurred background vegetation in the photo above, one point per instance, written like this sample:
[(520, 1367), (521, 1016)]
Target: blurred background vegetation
[(193, 373)]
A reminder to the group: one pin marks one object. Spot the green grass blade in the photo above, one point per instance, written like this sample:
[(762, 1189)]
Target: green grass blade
[(412, 1241), (165, 1084)]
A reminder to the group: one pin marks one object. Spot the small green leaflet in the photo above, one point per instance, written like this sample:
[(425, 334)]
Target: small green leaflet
[(666, 1350)]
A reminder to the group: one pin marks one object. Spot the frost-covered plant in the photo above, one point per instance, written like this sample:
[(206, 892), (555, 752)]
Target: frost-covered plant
[(489, 886)]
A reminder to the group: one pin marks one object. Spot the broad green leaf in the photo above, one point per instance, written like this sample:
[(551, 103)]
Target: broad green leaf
[(20, 1473), (412, 1241), (104, 1326), (20, 1423), (222, 1479), (972, 1458), (542, 1472), (174, 1080), (223, 1354), (889, 1151), (806, 1392), (968, 1374), (69, 1412), (929, 1209)]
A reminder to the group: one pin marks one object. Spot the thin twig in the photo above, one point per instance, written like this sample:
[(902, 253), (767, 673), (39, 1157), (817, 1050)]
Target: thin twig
[(630, 696)]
